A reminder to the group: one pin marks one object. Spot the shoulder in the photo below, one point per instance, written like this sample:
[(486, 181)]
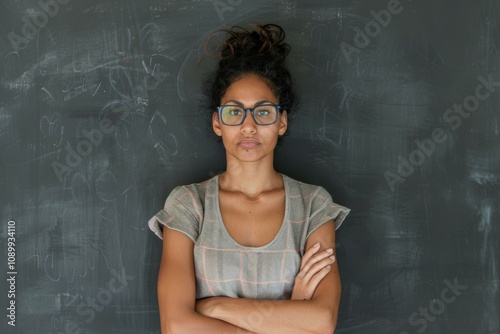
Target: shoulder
[(191, 193), (305, 190), (315, 202), (184, 209)]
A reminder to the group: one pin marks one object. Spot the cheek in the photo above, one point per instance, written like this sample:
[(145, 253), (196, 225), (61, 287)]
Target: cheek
[(272, 135), (227, 136)]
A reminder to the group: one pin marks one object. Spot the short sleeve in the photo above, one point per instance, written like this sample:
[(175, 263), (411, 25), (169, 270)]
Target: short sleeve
[(323, 209), (182, 212)]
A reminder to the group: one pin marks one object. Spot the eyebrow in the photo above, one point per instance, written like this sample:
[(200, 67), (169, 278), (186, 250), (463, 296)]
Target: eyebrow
[(258, 103)]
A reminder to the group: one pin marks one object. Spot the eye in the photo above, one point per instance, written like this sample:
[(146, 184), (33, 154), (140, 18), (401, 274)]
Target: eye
[(263, 112), (234, 112)]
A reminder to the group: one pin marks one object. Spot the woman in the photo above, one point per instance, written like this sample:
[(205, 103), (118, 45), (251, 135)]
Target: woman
[(234, 256)]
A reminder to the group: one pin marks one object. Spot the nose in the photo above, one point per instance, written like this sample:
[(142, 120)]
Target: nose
[(248, 125)]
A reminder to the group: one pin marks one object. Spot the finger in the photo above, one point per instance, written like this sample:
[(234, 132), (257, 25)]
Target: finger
[(317, 267), (314, 267), (310, 285), (309, 253), (316, 279), (317, 258)]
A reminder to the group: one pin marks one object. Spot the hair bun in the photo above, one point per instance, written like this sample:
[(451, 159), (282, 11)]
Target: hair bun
[(265, 41)]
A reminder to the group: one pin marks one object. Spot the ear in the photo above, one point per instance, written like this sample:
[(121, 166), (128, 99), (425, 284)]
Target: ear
[(216, 124), (283, 123)]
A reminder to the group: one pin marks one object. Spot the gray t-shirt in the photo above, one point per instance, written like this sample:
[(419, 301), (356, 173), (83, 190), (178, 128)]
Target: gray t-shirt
[(224, 267)]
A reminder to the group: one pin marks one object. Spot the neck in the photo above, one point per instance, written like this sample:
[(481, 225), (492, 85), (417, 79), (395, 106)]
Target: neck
[(250, 178)]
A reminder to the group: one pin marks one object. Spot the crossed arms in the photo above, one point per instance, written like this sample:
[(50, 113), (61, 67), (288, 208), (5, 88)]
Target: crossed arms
[(313, 306)]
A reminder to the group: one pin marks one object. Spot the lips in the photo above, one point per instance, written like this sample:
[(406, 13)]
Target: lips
[(248, 143)]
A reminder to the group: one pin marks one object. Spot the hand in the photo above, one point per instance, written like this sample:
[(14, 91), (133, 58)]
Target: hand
[(314, 267), (204, 306)]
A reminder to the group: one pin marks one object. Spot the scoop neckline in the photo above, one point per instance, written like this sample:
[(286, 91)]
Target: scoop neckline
[(226, 232)]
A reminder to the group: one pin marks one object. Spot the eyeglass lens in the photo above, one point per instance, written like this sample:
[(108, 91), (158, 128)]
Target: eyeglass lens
[(263, 115)]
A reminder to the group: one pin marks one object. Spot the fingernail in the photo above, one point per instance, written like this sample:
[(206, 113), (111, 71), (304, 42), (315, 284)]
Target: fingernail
[(316, 244), (328, 267), (329, 250), (332, 257)]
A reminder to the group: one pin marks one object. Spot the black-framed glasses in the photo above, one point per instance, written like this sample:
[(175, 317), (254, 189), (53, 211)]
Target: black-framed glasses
[(265, 114)]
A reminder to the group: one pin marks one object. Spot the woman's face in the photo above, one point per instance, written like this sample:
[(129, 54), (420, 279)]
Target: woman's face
[(249, 141)]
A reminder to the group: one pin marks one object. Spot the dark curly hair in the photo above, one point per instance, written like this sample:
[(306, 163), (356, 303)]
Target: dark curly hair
[(261, 52)]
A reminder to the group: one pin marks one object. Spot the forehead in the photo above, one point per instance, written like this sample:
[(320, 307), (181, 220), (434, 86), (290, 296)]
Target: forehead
[(249, 89)]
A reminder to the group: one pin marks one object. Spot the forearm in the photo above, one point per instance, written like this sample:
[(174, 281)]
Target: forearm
[(274, 316), (196, 323)]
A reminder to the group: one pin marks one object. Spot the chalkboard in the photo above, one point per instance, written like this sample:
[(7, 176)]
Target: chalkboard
[(100, 119)]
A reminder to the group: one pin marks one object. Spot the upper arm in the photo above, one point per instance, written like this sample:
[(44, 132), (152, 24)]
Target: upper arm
[(176, 278), (328, 291)]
